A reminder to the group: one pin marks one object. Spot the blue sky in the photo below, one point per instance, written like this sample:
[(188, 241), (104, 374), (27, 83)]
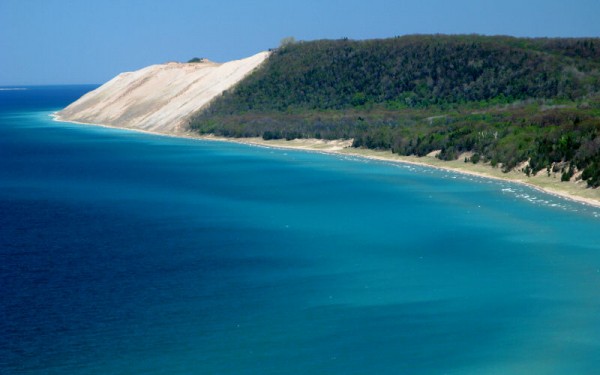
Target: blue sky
[(81, 41)]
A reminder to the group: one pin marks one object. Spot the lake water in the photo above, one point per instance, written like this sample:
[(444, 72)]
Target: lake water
[(129, 253)]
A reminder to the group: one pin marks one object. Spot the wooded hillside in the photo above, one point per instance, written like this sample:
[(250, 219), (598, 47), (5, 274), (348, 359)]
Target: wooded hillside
[(506, 100)]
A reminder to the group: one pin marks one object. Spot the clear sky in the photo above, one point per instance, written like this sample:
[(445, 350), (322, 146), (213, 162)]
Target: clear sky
[(82, 41)]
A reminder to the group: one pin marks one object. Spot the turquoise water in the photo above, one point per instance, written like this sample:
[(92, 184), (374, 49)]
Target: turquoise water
[(125, 253)]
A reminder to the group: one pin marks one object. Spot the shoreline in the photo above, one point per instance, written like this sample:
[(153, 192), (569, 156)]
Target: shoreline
[(341, 147)]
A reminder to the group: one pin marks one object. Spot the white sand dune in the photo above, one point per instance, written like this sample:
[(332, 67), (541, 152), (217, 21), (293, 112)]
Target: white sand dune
[(159, 98)]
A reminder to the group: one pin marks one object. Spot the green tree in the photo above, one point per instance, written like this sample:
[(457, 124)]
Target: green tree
[(287, 41)]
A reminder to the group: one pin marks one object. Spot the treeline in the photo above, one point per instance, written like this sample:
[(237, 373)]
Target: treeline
[(506, 100), (416, 71), (557, 140)]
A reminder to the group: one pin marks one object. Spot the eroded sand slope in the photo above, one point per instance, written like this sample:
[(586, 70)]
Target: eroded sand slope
[(159, 98)]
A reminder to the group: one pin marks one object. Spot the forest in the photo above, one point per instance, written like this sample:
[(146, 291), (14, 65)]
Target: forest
[(510, 102)]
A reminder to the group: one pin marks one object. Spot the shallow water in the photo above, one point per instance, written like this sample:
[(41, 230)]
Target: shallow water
[(123, 252)]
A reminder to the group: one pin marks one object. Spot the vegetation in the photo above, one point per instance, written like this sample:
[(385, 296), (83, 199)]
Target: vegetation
[(510, 102), (287, 41), (196, 60)]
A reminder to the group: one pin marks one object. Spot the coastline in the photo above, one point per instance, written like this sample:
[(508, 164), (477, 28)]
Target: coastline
[(573, 191)]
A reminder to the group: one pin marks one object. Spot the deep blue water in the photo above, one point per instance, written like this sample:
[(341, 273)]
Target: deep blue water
[(127, 253)]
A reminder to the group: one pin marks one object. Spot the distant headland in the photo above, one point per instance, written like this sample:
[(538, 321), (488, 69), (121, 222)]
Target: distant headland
[(522, 109)]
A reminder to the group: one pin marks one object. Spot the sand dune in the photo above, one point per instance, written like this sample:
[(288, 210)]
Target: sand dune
[(159, 98)]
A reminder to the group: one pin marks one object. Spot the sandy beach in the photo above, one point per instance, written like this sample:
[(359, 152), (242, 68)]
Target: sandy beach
[(551, 184), (576, 191)]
